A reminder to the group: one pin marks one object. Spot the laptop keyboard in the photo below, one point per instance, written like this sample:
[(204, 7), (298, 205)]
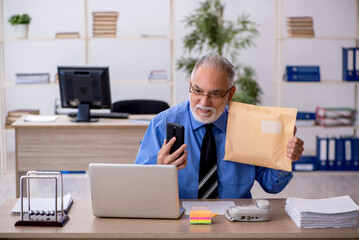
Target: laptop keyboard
[(104, 115)]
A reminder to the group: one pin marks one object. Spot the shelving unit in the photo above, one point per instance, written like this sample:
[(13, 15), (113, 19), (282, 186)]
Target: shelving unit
[(279, 65), (89, 45), (2, 97)]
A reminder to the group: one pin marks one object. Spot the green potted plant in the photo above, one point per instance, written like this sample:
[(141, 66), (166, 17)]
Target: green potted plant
[(211, 33), (21, 23)]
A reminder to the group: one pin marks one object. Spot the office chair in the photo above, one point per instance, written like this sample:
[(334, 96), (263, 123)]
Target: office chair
[(140, 106)]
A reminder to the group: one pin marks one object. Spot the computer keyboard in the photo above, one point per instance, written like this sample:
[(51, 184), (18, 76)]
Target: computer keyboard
[(104, 115)]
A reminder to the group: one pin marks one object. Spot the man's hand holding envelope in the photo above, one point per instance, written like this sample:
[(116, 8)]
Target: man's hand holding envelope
[(262, 136)]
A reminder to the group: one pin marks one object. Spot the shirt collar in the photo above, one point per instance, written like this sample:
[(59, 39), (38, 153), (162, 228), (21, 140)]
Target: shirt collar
[(220, 123)]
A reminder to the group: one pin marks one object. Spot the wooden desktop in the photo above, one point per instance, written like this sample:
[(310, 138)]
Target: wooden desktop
[(64, 145), (84, 225)]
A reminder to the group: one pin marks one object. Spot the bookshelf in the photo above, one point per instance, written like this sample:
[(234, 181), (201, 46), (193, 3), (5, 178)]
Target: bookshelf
[(126, 82), (330, 75), (2, 97)]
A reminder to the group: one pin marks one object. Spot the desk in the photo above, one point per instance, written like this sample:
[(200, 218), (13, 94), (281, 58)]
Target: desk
[(84, 225), (64, 145)]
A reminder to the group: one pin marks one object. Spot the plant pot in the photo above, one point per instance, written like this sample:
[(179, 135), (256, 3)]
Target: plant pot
[(22, 30)]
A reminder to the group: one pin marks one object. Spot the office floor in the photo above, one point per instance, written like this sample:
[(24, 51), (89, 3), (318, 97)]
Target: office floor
[(303, 184)]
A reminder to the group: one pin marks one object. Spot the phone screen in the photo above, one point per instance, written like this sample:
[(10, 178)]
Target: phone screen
[(175, 130)]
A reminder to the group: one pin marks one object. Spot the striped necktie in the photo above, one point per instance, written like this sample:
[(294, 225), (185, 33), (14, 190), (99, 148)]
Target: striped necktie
[(208, 181)]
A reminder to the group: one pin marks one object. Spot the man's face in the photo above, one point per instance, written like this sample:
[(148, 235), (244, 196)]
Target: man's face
[(209, 81)]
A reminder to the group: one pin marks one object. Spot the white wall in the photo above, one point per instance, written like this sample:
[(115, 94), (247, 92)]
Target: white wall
[(132, 60)]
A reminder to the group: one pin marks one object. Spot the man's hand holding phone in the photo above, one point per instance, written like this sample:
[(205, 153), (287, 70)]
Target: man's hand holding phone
[(173, 149)]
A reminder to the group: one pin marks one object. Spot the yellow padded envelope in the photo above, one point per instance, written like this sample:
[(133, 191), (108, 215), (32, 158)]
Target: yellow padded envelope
[(259, 135)]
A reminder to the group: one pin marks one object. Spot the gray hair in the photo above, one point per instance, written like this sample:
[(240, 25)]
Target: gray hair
[(216, 62)]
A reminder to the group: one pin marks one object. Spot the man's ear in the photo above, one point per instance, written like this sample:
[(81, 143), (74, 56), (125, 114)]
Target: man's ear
[(231, 93)]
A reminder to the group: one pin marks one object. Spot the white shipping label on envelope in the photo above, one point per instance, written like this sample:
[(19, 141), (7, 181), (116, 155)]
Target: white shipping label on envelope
[(271, 127)]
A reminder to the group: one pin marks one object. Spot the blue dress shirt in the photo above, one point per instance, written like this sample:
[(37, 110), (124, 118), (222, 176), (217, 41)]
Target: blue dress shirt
[(235, 180)]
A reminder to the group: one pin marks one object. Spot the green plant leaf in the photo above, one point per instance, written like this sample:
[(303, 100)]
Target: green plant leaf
[(248, 90), (187, 64), (19, 19)]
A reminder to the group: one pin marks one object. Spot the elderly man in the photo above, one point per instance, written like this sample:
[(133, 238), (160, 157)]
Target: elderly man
[(202, 172)]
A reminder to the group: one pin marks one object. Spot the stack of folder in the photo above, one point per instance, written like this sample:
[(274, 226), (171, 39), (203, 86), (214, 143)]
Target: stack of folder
[(104, 24), (335, 116), (302, 73), (300, 26), (336, 212)]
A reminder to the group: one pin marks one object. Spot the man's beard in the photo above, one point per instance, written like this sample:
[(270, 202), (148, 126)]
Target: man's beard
[(214, 115)]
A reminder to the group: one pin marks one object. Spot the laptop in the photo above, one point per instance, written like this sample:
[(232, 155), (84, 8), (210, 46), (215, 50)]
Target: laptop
[(134, 191)]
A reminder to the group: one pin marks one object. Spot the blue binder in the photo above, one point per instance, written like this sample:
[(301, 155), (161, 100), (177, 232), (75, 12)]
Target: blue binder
[(348, 154), (302, 69), (305, 115), (305, 163), (348, 55), (356, 64), (322, 153), (315, 77), (339, 154), (331, 155), (355, 154)]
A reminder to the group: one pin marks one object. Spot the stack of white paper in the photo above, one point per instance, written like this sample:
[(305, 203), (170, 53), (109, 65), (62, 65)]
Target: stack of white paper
[(46, 204), (334, 212), (40, 118), (28, 78)]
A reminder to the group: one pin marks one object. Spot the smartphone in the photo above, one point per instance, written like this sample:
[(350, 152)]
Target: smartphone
[(175, 130)]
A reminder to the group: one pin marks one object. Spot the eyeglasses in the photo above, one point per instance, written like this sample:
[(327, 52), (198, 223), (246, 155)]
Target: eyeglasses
[(212, 95)]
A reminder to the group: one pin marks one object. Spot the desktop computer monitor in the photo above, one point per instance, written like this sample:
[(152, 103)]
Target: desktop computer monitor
[(84, 88)]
